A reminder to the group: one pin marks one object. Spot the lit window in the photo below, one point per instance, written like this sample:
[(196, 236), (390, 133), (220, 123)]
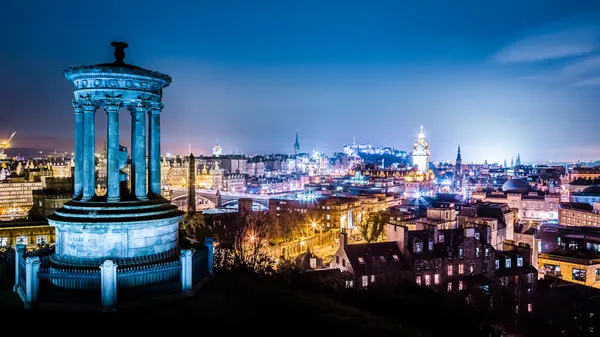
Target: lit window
[(477, 236), (487, 252), (361, 260), (497, 264), (365, 281), (519, 262), (477, 252), (427, 280), (41, 240), (461, 269), (396, 257), (350, 284), (419, 279), (472, 268), (507, 263), (450, 270), (460, 253), (460, 285), (529, 307), (382, 258), (436, 279), (449, 286), (372, 278), (21, 239)]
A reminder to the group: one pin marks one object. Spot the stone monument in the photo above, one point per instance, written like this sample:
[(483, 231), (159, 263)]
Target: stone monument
[(129, 227)]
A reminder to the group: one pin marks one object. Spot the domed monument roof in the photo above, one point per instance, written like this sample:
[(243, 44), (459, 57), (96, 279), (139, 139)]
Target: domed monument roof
[(117, 79), (516, 186), (595, 189)]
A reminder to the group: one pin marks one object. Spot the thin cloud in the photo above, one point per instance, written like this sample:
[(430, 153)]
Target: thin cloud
[(590, 64), (551, 46), (589, 82)]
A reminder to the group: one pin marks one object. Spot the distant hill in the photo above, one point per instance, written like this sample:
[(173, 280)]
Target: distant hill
[(30, 152)]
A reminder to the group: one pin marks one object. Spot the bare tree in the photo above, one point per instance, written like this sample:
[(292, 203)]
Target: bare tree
[(250, 235), (194, 227), (371, 226)]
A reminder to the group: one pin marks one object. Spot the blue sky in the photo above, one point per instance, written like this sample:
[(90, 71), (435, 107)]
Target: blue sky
[(497, 77)]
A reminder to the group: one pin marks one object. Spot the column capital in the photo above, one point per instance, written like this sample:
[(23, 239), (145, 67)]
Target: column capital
[(89, 104), (139, 106), (112, 104), (77, 106), (156, 108)]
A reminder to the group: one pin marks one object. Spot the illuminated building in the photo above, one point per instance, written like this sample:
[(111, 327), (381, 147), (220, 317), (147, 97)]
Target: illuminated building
[(28, 232), (217, 151), (531, 205), (571, 254), (590, 195), (212, 179), (16, 197), (334, 212), (418, 184), (579, 214), (579, 172), (369, 263), (174, 172), (233, 182), (421, 153), (255, 167)]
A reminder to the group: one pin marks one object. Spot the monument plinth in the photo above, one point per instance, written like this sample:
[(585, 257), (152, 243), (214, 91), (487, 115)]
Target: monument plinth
[(130, 227)]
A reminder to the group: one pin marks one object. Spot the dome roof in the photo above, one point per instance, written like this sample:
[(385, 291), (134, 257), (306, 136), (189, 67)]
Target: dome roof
[(516, 186), (592, 189)]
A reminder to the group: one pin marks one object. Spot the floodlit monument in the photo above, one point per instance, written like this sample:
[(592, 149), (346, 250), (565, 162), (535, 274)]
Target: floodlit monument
[(127, 238), (123, 225)]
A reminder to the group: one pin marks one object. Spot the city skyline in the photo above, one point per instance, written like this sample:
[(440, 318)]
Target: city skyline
[(251, 76)]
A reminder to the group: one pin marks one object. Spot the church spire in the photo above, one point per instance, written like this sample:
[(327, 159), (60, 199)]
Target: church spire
[(518, 161), (297, 144), (458, 162)]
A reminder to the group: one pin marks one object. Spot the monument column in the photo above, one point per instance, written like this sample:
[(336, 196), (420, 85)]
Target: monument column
[(138, 149), (154, 149), (112, 107), (89, 139), (78, 171)]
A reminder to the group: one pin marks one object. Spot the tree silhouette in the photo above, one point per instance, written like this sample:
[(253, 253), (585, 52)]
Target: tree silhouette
[(371, 226)]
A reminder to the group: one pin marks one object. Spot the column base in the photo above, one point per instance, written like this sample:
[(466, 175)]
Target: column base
[(141, 198), (84, 198), (113, 199)]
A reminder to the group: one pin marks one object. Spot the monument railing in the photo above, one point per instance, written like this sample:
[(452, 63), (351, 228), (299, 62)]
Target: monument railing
[(21, 282), (71, 278), (39, 280), (199, 266), (161, 273)]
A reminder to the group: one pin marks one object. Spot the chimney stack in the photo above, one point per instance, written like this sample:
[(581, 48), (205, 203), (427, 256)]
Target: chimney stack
[(343, 239)]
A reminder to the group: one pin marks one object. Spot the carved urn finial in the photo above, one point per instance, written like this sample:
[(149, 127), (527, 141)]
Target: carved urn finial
[(119, 51)]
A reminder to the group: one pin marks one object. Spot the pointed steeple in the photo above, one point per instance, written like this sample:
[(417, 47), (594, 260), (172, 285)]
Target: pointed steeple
[(458, 163), (297, 144), (518, 162), (504, 163)]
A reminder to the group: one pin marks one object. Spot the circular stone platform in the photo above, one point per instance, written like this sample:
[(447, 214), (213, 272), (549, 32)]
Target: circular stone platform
[(127, 232)]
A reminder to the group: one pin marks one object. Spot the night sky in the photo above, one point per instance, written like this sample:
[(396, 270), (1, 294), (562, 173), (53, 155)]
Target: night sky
[(498, 79)]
